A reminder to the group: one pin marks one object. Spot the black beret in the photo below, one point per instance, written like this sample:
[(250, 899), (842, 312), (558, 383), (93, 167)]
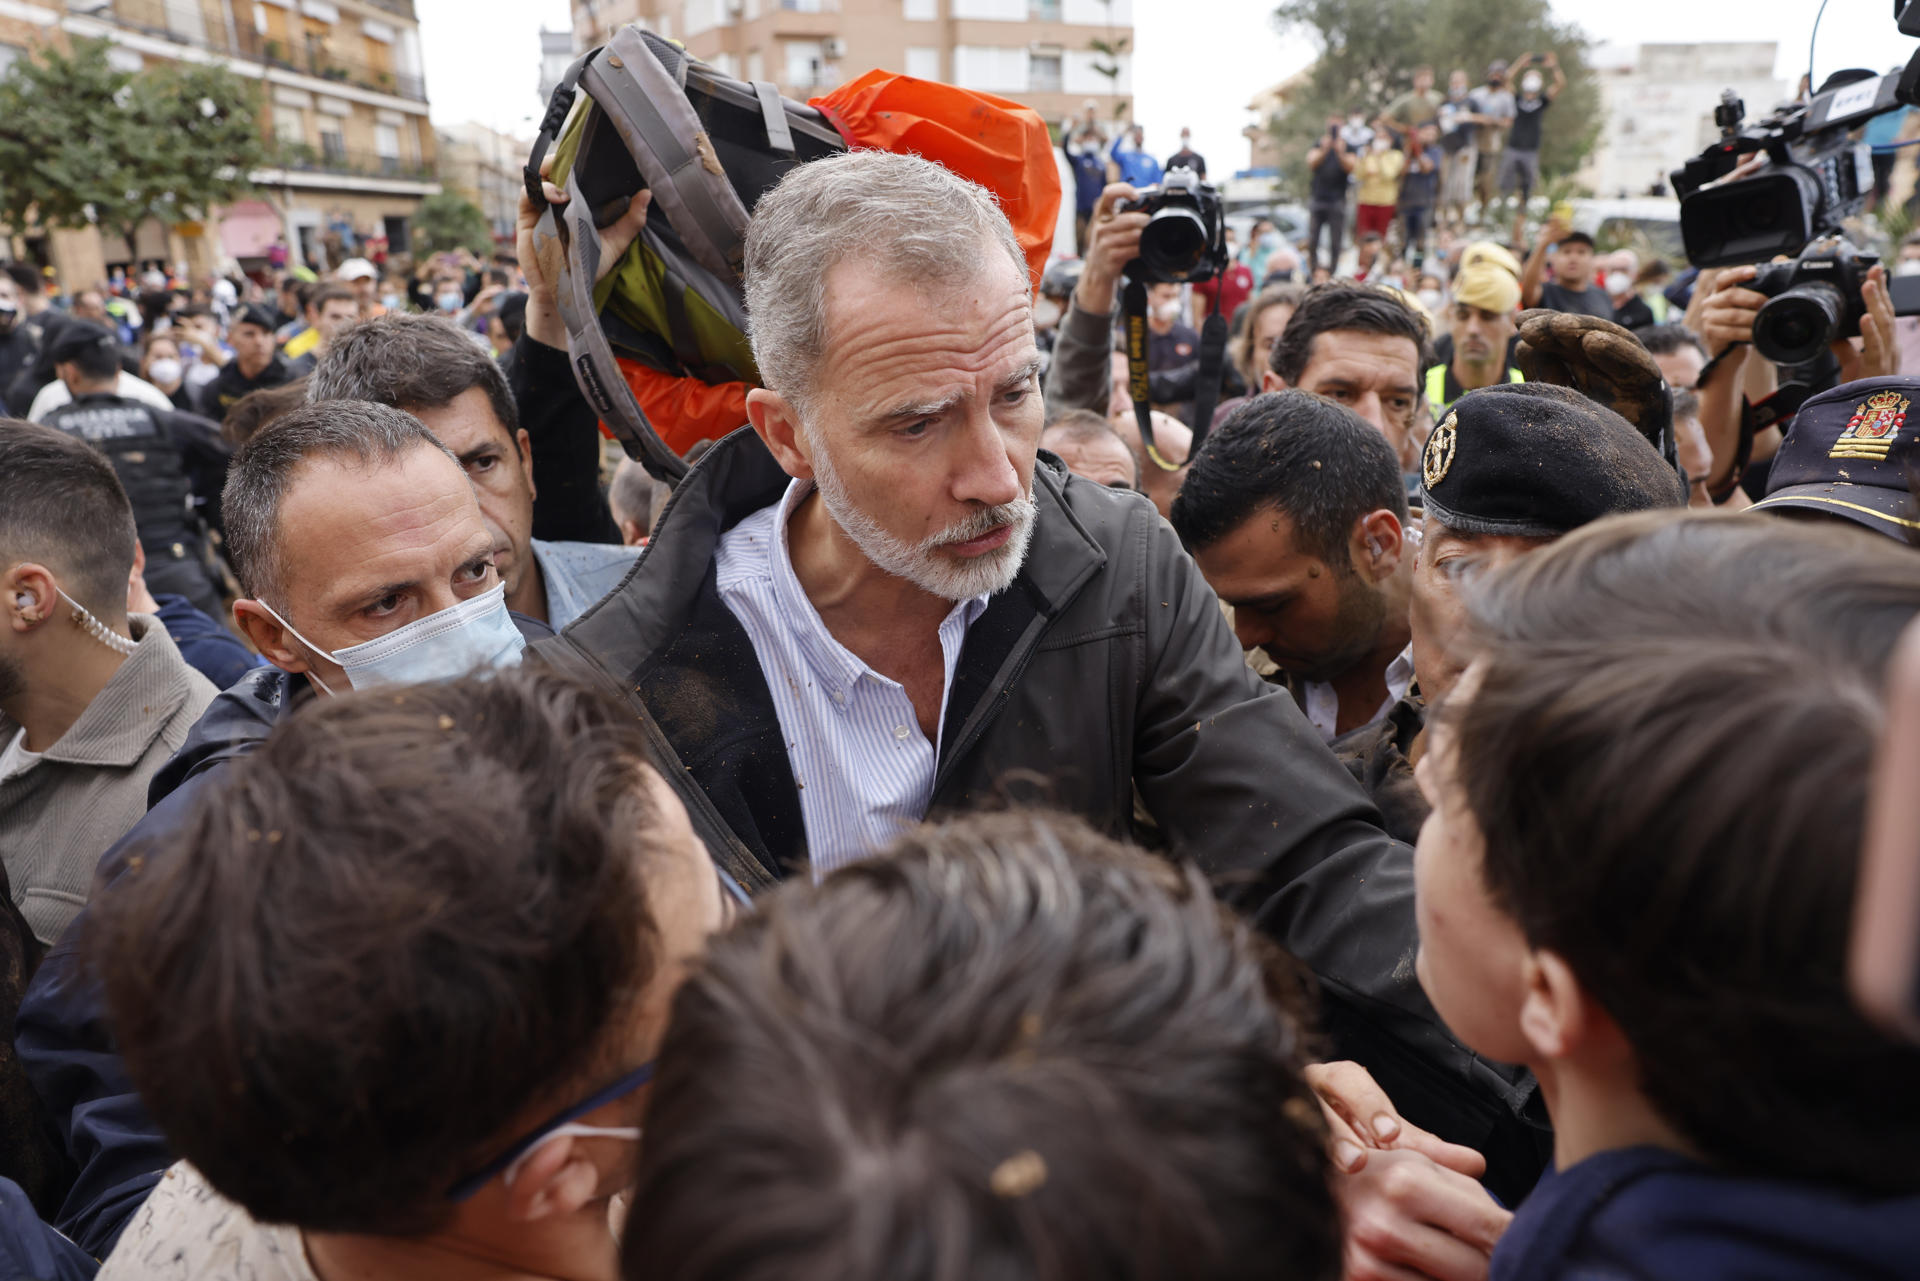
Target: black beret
[(1537, 460), (257, 314), (1848, 453), (76, 337)]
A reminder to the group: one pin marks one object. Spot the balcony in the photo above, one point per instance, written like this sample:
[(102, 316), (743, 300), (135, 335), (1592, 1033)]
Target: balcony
[(317, 60), (185, 22), (330, 157)]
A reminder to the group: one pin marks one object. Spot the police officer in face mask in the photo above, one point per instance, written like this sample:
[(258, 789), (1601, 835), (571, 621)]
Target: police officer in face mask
[(172, 464)]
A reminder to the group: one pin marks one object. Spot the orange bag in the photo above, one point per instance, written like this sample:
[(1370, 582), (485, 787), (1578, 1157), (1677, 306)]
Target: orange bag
[(997, 143)]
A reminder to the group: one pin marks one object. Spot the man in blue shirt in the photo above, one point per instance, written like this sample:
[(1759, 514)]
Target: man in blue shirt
[(1131, 161)]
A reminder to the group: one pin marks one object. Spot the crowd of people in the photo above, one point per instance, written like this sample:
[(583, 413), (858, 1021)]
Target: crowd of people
[(1410, 833)]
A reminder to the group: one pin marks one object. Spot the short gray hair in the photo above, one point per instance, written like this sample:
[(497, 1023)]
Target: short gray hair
[(412, 362), (908, 217), (262, 474)]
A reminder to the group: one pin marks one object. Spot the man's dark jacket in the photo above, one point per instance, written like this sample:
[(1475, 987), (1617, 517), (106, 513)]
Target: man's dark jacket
[(1106, 669)]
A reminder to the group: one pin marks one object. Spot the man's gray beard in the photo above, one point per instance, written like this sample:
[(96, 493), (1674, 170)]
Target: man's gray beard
[(921, 563)]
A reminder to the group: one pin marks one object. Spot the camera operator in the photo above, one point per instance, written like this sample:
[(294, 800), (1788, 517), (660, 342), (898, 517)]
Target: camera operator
[(1081, 375)]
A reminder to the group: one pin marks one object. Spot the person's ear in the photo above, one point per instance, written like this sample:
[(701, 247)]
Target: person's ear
[(778, 424), (1557, 1017), (554, 1181), (1270, 381), (272, 640), (29, 596), (1378, 543), (524, 447)]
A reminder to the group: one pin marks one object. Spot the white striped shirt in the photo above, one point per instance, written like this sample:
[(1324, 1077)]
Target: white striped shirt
[(864, 768)]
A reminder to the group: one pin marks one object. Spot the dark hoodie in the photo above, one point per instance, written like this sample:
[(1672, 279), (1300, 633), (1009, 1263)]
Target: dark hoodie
[(1647, 1213)]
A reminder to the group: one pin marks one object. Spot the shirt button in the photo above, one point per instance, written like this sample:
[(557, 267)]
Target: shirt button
[(899, 731)]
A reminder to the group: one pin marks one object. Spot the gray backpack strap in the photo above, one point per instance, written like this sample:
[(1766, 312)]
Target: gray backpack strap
[(671, 149), (774, 113), (568, 246)]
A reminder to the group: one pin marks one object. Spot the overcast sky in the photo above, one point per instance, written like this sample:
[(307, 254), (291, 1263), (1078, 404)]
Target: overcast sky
[(482, 56)]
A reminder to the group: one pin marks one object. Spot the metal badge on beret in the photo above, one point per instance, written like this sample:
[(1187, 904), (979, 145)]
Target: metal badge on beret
[(1440, 450)]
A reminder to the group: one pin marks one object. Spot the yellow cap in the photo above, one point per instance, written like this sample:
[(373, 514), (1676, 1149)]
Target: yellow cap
[(1490, 253), (1487, 287)]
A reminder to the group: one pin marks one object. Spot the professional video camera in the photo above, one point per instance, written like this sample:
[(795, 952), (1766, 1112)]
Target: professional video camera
[(1185, 238)]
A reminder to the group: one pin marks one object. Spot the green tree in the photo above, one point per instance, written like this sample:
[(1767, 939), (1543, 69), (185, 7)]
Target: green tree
[(85, 143), (449, 221), (1369, 48)]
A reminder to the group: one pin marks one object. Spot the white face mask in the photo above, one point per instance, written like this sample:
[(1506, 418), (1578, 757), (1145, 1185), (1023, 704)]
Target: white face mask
[(450, 301), (1168, 311), (1432, 299), (1618, 282), (476, 634), (165, 370), (1530, 83), (1907, 267), (1046, 313)]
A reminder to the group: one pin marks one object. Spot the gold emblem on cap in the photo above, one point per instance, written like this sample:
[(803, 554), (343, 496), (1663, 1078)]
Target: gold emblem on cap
[(1439, 455), (1870, 432)]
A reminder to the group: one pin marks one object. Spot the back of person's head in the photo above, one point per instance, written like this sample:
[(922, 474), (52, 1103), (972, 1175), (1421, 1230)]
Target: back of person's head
[(27, 277), (630, 498), (256, 409), (1073, 432), (1309, 458), (91, 349), (376, 944), (62, 506), (1336, 305), (263, 471), (1667, 755), (411, 362), (1013, 1049)]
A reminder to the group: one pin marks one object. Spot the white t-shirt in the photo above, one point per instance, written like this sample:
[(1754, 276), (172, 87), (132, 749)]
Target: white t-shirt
[(188, 1232), (16, 759)]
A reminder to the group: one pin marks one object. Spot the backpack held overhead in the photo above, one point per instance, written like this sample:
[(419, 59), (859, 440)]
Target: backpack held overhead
[(659, 347)]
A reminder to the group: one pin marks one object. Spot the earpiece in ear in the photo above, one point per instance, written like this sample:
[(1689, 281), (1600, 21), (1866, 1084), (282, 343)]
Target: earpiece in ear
[(1373, 545)]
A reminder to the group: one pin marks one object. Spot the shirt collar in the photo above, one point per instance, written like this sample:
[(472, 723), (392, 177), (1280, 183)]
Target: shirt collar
[(835, 666)]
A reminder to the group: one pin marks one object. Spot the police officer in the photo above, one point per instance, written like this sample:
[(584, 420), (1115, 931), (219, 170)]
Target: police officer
[(1848, 457), (172, 464), (256, 364), (1509, 469)]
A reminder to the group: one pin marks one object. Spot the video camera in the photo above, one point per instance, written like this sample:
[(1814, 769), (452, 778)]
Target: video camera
[(1185, 238)]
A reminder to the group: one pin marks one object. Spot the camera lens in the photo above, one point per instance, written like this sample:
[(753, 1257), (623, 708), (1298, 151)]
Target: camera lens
[(1798, 325), (1173, 243)]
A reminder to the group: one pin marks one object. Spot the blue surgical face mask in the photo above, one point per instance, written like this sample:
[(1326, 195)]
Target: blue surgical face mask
[(476, 634), (450, 301)]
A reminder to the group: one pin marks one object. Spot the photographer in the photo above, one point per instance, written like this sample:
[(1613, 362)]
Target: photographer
[(1081, 375), (1726, 313), (1331, 165)]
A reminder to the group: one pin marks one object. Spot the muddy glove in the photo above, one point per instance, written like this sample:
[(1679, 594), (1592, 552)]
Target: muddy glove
[(1603, 362)]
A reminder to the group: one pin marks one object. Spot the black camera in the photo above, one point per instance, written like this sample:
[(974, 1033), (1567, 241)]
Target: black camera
[(1185, 238), (1818, 176), (1812, 300)]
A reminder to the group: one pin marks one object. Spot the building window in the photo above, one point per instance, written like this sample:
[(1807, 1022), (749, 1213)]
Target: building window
[(991, 10), (398, 240), (923, 63), (806, 64), (333, 143), (386, 145), (756, 65), (921, 10), (1043, 73), (1044, 10), (290, 126), (10, 54)]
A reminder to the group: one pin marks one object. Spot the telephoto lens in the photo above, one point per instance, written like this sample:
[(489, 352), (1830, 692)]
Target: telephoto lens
[(1174, 242)]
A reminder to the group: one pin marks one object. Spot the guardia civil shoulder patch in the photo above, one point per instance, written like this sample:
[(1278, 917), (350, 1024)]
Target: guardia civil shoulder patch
[(1870, 432)]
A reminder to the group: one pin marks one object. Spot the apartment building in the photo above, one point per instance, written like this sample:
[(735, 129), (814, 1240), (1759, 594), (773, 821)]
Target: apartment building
[(1039, 52), (343, 91), (486, 166)]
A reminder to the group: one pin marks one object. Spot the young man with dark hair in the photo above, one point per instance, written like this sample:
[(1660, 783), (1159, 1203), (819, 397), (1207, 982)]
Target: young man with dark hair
[(1638, 880), (330, 309), (172, 464), (467, 1104), (1362, 346), (428, 367), (255, 366), (1572, 287), (92, 701), (1092, 1070), (1296, 514)]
